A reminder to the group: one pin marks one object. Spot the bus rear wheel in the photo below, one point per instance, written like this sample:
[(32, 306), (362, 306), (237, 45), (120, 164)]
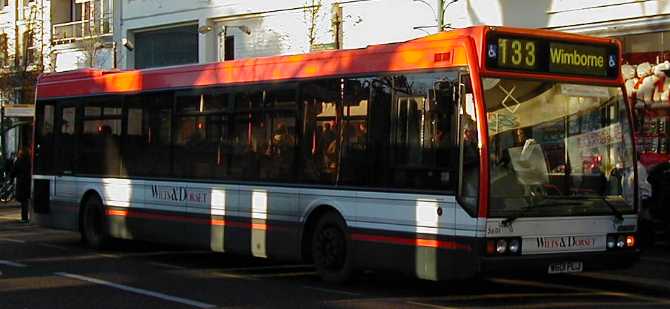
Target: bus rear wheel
[(93, 224), (331, 249)]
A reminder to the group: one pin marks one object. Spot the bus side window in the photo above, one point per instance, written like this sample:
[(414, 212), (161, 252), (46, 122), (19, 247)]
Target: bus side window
[(100, 148), (321, 139), (468, 186), (66, 139), (44, 143), (355, 154), (279, 162), (148, 135), (423, 145), (245, 134)]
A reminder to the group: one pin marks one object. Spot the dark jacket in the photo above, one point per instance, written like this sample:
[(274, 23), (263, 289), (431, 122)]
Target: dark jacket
[(22, 173)]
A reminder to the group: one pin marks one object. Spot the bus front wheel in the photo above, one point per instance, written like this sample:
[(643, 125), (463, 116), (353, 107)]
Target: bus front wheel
[(331, 249), (93, 223)]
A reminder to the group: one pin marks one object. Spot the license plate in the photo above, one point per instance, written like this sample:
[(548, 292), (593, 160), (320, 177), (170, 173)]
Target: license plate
[(567, 267)]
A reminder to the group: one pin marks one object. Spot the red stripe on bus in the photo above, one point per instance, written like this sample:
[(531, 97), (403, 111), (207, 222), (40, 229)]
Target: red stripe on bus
[(119, 213), (417, 242), (216, 222), (259, 226)]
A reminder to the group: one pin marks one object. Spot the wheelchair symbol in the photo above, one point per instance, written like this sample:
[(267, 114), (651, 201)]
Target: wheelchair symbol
[(612, 61), (492, 51)]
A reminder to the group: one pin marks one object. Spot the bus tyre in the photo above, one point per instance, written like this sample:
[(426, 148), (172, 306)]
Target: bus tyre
[(331, 249), (93, 224)]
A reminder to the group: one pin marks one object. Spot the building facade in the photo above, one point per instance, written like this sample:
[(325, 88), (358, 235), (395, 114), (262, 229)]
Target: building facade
[(24, 50), (82, 34), (173, 32)]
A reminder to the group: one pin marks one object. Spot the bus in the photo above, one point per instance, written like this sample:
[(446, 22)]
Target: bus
[(467, 152)]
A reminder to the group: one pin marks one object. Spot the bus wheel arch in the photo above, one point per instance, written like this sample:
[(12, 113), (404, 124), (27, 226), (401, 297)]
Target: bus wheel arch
[(92, 220), (327, 244)]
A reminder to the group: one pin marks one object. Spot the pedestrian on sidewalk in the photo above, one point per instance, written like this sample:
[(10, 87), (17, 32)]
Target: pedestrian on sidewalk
[(8, 165), (22, 171)]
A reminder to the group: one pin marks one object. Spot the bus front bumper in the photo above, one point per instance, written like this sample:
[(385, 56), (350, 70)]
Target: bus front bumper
[(564, 262)]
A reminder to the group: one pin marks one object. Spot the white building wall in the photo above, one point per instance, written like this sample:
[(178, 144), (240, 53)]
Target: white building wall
[(377, 22), (273, 25), (280, 26)]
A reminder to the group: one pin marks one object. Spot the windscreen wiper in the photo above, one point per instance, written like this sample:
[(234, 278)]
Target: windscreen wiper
[(617, 214), (508, 221), (524, 209)]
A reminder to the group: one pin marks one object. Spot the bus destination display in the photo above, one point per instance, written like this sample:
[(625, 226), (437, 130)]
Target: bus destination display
[(536, 55)]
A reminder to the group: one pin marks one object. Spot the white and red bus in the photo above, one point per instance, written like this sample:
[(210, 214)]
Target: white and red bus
[(470, 151)]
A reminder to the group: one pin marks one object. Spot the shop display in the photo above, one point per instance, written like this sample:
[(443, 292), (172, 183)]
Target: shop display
[(648, 88)]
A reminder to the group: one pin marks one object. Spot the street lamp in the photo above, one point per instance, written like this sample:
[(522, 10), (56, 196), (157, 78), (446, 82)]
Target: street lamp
[(439, 15)]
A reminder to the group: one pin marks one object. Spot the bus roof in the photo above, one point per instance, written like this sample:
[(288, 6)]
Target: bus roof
[(441, 50)]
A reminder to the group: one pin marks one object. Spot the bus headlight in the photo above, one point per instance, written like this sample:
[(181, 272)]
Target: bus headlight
[(506, 246), (501, 246), (621, 241), (618, 241), (514, 246), (611, 242)]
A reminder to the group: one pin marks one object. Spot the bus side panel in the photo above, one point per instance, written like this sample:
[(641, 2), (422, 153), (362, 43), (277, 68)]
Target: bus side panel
[(145, 224), (134, 213), (265, 225), (205, 224), (453, 259), (62, 215), (63, 205), (415, 235)]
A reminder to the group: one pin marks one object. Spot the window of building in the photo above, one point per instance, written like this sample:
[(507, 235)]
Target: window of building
[(164, 47), (4, 56), (229, 53), (28, 47)]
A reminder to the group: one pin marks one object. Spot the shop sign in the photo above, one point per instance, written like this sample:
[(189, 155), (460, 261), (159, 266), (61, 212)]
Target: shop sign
[(19, 110)]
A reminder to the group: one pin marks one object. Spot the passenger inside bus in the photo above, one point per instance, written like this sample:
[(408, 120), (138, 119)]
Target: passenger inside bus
[(521, 169), (281, 152), (328, 149)]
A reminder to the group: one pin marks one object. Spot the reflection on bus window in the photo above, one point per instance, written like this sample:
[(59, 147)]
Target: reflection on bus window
[(559, 146)]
